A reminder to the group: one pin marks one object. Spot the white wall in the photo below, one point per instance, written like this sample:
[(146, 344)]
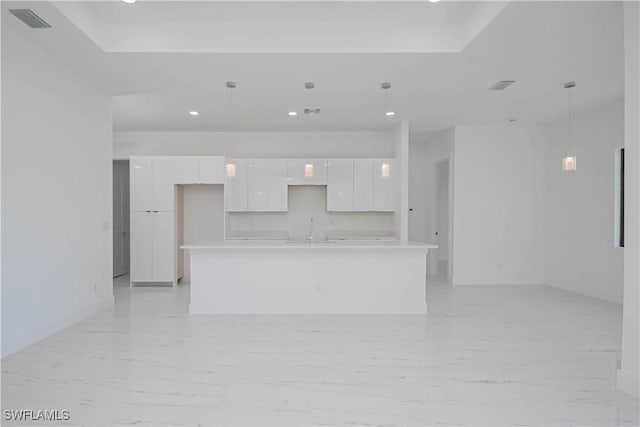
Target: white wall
[(56, 193), (425, 152), (400, 136), (629, 376), (203, 209), (254, 144), (499, 205), (306, 202), (580, 252), (443, 211)]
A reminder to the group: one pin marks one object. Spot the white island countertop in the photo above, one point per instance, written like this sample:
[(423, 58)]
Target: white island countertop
[(333, 244)]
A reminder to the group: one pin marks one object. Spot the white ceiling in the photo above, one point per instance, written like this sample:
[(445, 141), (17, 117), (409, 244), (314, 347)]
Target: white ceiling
[(539, 44)]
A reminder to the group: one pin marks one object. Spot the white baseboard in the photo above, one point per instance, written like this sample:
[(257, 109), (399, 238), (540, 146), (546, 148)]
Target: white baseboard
[(24, 339), (628, 383)]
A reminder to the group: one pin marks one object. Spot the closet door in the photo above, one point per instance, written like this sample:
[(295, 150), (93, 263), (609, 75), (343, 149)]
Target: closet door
[(164, 246), (141, 241)]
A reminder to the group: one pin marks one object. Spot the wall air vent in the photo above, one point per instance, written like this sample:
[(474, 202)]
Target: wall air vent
[(29, 17), (502, 85)]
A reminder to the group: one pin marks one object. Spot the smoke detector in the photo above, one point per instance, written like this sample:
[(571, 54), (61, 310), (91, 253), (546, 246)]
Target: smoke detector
[(30, 18), (502, 84)]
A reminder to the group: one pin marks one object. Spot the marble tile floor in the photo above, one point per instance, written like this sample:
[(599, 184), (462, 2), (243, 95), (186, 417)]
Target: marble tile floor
[(482, 356)]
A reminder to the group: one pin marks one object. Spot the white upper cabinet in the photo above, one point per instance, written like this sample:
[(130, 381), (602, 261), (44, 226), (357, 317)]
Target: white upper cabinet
[(278, 186), (151, 183), (185, 170), (235, 187), (307, 171), (211, 169), (163, 185), (267, 189), (340, 185), (384, 185), (258, 185), (198, 170), (363, 185), (141, 183)]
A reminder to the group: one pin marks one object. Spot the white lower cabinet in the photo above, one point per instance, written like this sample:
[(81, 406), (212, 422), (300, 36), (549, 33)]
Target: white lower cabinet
[(153, 247)]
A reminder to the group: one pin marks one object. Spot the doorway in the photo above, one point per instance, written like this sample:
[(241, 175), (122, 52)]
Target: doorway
[(441, 227), (120, 217)]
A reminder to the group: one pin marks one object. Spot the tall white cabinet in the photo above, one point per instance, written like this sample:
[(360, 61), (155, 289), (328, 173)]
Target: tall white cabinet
[(153, 236), (340, 185)]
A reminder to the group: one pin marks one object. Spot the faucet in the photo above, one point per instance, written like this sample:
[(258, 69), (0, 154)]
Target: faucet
[(310, 235)]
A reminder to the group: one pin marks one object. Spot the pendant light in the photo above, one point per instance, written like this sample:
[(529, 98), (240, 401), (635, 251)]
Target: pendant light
[(385, 168), (569, 162), (230, 167), (387, 111), (308, 166)]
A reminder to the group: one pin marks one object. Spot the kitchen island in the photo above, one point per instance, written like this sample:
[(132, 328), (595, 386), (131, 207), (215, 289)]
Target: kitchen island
[(260, 277)]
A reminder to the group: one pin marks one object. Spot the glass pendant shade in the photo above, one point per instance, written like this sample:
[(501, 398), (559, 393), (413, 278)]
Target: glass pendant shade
[(569, 163), (385, 170), (230, 169), (308, 170)]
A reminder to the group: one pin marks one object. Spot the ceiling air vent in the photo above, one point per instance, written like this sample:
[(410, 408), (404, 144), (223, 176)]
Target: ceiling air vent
[(29, 17), (502, 85), (312, 111)]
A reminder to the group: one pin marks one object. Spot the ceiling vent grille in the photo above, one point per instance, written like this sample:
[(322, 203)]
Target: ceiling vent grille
[(29, 17), (312, 111), (502, 85)]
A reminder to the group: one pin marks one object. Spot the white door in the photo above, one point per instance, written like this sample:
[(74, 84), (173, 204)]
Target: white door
[(120, 218), (384, 185), (211, 170), (142, 246), (340, 185), (363, 185), (163, 187), (164, 259), (141, 183), (278, 186)]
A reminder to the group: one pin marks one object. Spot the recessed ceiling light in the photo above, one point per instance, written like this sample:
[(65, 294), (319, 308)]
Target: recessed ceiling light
[(293, 113), (129, 1), (434, 1), (193, 113), (390, 113)]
